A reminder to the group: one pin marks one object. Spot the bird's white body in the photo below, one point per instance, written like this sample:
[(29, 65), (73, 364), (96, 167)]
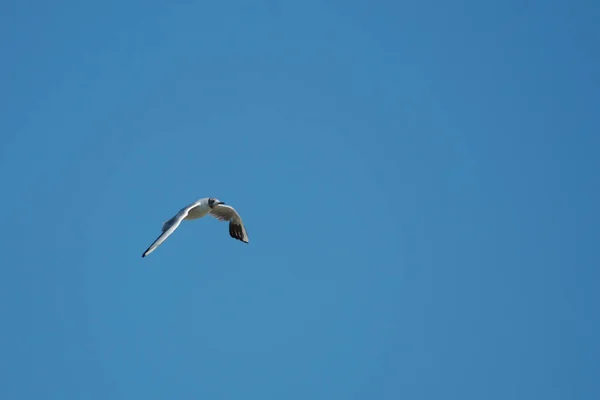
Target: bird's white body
[(199, 209)]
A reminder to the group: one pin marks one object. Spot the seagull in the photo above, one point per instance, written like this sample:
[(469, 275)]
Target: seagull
[(198, 209)]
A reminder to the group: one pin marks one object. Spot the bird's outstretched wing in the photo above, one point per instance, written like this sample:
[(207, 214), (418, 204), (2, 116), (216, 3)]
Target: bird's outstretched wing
[(224, 212), (169, 227)]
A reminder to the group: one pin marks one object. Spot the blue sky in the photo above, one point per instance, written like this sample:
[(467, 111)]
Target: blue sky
[(419, 181)]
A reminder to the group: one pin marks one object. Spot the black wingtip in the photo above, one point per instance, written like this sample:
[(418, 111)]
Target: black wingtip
[(236, 232)]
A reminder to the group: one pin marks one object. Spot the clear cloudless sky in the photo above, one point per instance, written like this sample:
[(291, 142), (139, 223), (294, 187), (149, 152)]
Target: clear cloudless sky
[(419, 181)]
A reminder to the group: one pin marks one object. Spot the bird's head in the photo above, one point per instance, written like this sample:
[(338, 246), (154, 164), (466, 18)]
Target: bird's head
[(212, 202)]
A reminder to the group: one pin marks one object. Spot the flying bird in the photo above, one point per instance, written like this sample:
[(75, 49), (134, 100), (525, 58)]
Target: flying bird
[(208, 205)]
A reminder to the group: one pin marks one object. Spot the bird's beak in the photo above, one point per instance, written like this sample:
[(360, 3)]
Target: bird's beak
[(221, 203)]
